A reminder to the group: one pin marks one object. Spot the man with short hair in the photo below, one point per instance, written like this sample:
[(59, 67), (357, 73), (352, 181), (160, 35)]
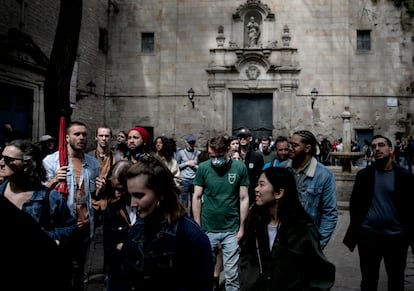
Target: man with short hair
[(221, 184), (281, 149), (81, 177), (106, 158), (267, 154), (315, 182), (187, 159), (103, 152), (381, 217)]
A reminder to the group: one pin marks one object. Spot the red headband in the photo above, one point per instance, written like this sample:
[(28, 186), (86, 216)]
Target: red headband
[(144, 134)]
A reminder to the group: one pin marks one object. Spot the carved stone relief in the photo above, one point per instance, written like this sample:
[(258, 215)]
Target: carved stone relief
[(252, 71)]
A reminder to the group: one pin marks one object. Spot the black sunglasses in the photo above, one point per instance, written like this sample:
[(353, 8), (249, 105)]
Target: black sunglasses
[(8, 160)]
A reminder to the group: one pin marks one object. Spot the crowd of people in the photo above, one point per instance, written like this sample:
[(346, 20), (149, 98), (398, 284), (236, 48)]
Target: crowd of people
[(261, 213)]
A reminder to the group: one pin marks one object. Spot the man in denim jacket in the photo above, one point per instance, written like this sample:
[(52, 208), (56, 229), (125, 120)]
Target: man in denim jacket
[(316, 184)]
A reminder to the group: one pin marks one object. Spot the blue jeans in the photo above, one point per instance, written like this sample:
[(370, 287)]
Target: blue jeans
[(231, 253), (187, 189)]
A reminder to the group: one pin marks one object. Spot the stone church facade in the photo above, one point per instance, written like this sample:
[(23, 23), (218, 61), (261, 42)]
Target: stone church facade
[(143, 57)]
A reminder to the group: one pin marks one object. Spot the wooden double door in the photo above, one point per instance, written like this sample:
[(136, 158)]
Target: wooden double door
[(253, 111)]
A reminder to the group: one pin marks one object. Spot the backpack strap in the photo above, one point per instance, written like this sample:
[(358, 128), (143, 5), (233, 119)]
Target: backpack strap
[(45, 214)]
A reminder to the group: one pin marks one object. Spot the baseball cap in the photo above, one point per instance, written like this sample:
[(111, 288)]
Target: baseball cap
[(191, 138), (244, 132), (45, 137)]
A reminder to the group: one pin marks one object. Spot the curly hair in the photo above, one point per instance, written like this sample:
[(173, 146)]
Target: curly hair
[(169, 146), (34, 174)]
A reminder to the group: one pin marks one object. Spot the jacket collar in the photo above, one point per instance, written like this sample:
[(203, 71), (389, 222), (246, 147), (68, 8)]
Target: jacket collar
[(309, 169)]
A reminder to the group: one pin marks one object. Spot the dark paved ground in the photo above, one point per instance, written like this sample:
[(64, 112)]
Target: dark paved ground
[(95, 270), (347, 264)]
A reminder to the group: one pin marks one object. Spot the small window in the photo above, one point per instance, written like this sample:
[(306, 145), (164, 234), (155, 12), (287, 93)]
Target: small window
[(363, 40), (103, 40), (147, 42)]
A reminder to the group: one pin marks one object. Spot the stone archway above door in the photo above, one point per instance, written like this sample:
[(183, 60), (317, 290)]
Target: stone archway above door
[(267, 67)]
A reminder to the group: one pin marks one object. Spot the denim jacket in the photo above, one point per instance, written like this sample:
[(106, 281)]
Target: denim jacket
[(90, 170), (61, 225), (318, 197), (176, 257)]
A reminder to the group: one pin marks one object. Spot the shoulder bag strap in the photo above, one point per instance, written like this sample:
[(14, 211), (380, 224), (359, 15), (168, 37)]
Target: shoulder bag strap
[(45, 214)]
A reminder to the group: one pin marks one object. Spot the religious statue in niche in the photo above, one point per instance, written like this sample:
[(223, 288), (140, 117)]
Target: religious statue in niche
[(253, 31)]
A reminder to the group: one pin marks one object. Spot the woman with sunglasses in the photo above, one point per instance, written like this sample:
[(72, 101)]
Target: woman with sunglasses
[(23, 174), (165, 248)]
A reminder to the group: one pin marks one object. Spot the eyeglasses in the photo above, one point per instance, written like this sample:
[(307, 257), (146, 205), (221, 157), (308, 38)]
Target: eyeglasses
[(8, 160), (379, 145), (293, 145)]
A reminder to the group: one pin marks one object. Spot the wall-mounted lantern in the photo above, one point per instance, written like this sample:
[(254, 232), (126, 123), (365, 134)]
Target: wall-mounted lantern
[(314, 95), (91, 86), (190, 95), (86, 93)]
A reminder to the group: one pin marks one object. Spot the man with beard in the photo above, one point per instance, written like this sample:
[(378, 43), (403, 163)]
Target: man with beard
[(137, 142), (315, 183), (381, 219), (82, 178), (281, 149), (221, 184)]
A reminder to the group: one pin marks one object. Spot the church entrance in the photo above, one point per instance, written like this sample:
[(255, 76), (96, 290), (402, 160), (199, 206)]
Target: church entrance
[(253, 111)]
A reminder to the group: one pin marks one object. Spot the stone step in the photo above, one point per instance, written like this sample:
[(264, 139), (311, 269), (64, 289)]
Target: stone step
[(343, 205)]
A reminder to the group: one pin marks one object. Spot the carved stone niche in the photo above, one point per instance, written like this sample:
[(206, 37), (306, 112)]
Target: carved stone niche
[(243, 32), (240, 58)]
